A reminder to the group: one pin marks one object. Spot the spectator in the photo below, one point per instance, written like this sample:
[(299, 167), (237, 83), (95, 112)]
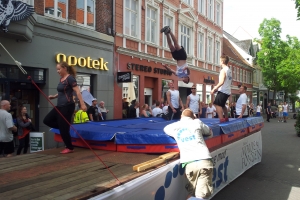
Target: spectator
[(285, 111), (146, 112), (157, 110), (6, 128), (280, 112), (132, 109), (153, 104), (203, 108), (93, 111), (232, 110), (24, 124), (268, 110), (102, 110), (241, 104), (174, 101), (193, 102), (165, 107), (210, 111), (80, 116), (258, 110)]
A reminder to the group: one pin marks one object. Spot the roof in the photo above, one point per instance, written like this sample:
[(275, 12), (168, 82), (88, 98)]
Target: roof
[(245, 45), (230, 37), (230, 51)]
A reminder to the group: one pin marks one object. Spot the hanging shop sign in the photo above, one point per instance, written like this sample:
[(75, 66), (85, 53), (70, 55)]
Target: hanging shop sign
[(209, 80), (82, 62), (124, 77), (148, 69)]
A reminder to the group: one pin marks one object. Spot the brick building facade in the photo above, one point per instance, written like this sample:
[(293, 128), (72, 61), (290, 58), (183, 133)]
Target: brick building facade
[(198, 25)]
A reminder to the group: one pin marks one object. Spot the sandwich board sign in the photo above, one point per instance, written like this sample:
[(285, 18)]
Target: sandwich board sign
[(37, 141)]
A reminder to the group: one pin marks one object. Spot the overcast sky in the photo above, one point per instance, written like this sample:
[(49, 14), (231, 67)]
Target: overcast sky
[(249, 15)]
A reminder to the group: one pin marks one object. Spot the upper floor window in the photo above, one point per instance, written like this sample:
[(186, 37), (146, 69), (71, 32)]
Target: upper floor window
[(85, 12), (201, 45), (29, 2), (190, 2), (56, 8), (168, 21), (217, 58), (210, 9), (245, 76), (186, 38), (201, 6), (238, 74), (218, 14), (234, 73), (131, 17), (241, 75), (209, 49), (151, 24)]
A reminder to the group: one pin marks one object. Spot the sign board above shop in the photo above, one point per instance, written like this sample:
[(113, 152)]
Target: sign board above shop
[(148, 69), (124, 77), (87, 62)]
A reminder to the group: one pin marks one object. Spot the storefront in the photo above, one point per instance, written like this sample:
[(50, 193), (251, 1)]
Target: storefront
[(90, 52), (149, 82)]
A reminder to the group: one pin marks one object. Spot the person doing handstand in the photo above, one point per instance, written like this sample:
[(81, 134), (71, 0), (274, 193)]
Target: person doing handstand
[(179, 54)]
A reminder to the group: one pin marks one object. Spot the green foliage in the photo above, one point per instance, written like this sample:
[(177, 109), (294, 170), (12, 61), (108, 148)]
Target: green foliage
[(297, 6), (297, 124), (279, 60)]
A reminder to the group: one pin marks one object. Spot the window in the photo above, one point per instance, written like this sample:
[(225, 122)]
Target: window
[(209, 49), (217, 58), (199, 91), (168, 21), (56, 8), (201, 6), (151, 25), (201, 45), (131, 90), (131, 19), (238, 74), (218, 14), (244, 76), (186, 38), (234, 73), (208, 95), (29, 2), (210, 10), (190, 2), (86, 12), (241, 75)]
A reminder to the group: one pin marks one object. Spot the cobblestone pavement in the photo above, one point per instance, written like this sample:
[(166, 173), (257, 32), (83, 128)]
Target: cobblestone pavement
[(277, 177)]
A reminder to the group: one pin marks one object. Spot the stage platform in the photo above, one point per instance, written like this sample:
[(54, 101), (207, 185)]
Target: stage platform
[(146, 135)]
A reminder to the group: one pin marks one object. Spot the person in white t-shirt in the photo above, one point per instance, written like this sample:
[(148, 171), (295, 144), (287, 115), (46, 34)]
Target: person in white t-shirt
[(285, 111), (193, 102), (194, 154), (241, 104), (223, 88), (210, 111), (165, 107), (157, 110), (258, 110)]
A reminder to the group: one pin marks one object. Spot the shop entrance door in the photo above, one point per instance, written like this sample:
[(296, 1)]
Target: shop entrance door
[(4, 88), (148, 96)]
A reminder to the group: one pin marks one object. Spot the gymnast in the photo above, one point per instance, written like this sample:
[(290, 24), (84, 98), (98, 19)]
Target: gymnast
[(179, 54)]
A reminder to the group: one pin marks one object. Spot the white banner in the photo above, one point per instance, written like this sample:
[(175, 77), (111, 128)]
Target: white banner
[(169, 181)]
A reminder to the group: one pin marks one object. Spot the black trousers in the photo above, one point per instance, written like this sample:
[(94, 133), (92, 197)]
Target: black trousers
[(23, 143), (268, 116), (176, 115), (54, 120)]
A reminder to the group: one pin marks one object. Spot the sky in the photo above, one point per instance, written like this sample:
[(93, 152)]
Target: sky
[(249, 14)]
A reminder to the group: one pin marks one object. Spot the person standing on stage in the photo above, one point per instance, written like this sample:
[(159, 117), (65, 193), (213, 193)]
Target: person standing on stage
[(223, 88), (174, 101), (6, 128), (193, 102), (93, 113), (179, 54), (194, 154), (65, 104), (241, 104), (285, 111)]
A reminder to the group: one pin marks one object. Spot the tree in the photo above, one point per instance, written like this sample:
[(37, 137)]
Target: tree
[(273, 52), (297, 6)]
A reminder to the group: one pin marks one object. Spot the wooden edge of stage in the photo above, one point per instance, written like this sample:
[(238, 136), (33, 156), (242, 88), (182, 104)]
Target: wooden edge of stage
[(155, 162)]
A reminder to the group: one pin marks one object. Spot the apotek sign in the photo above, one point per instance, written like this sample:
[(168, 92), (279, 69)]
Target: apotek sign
[(82, 62)]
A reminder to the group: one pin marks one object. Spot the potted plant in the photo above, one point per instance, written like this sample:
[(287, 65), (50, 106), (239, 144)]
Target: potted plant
[(297, 124)]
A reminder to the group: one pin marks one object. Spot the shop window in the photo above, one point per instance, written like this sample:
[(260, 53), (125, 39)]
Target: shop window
[(186, 38), (131, 90), (199, 91), (201, 6), (208, 95), (56, 8), (165, 88), (3, 72), (2, 92), (168, 21), (85, 13), (151, 24), (84, 82), (201, 45), (131, 17)]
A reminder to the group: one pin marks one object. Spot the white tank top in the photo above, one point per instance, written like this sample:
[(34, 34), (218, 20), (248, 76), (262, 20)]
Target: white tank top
[(194, 103), (174, 98), (285, 108), (226, 87)]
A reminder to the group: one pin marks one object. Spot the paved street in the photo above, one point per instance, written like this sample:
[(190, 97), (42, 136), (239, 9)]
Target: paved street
[(277, 177)]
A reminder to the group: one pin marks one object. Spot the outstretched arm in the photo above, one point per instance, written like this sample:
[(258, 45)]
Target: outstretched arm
[(168, 68)]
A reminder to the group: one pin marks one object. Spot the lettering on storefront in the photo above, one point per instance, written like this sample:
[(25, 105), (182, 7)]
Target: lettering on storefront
[(83, 62), (148, 69), (124, 77), (209, 80)]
